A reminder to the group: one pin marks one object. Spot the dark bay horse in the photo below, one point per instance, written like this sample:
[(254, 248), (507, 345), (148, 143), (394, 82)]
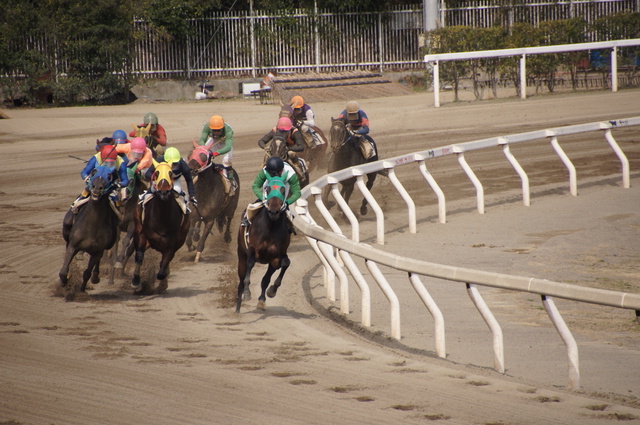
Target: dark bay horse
[(127, 221), (345, 152), (278, 147), (93, 230), (215, 204), (265, 241), (160, 224)]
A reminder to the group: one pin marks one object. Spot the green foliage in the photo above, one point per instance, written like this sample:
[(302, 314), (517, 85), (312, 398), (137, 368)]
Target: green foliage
[(90, 41), (450, 40)]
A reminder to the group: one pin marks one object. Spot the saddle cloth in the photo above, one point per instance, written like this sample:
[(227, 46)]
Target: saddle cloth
[(147, 196)]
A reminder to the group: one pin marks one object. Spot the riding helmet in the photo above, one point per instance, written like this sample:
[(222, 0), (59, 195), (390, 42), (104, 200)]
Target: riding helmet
[(284, 123), (216, 123), (108, 152), (172, 155), (274, 165), (138, 145), (119, 136), (297, 102), (151, 118), (352, 110)]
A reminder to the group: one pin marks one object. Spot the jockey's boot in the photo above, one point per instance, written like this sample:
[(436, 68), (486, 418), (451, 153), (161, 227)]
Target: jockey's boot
[(295, 164), (244, 222), (233, 183), (80, 200), (292, 229)]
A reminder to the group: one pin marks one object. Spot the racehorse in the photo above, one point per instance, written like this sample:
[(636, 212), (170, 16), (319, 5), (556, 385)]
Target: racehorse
[(162, 224), (127, 221), (278, 147), (315, 154), (265, 241), (144, 132), (93, 229), (215, 204), (346, 152)]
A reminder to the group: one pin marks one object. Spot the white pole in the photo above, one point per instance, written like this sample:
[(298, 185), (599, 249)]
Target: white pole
[(436, 84), (317, 37), (523, 77), (614, 69), (253, 41)]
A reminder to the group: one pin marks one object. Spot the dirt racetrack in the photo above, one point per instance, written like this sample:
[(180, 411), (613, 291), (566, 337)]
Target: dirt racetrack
[(180, 358)]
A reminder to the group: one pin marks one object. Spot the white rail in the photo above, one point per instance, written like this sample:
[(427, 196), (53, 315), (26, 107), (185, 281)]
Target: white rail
[(435, 60), (326, 243)]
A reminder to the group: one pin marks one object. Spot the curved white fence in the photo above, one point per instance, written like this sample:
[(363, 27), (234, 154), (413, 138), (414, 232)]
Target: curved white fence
[(335, 250)]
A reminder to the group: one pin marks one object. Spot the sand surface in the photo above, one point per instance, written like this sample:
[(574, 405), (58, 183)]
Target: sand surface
[(111, 357)]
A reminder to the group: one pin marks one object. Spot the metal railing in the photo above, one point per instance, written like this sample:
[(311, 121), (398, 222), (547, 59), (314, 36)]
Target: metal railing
[(334, 249), (435, 59)]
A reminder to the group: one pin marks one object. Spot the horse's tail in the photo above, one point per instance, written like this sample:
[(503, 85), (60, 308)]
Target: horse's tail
[(384, 172)]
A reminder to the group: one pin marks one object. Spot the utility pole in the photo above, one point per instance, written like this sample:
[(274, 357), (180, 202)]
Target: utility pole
[(430, 14)]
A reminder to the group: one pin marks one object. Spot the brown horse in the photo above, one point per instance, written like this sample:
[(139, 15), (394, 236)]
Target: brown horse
[(278, 147), (314, 153), (161, 224), (346, 152), (265, 241), (93, 230), (127, 221), (215, 203)]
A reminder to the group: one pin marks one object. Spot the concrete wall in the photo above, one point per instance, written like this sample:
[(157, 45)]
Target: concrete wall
[(186, 90)]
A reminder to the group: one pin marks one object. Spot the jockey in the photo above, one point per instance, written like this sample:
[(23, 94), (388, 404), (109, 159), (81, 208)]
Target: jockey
[(139, 159), (157, 131), (107, 156), (303, 119), (120, 137), (137, 154), (293, 137), (179, 168), (275, 167), (218, 136), (358, 125)]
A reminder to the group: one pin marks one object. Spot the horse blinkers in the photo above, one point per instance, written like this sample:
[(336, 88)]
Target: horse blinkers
[(274, 200)]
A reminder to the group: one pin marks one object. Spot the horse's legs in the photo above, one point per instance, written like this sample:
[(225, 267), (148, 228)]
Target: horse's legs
[(249, 264), (126, 250), (135, 281), (205, 234), (92, 270), (263, 285), (167, 256), (371, 177), (242, 272), (273, 289), (347, 190), (64, 271), (224, 225)]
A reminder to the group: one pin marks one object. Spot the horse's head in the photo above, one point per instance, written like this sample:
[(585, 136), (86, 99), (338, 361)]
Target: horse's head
[(275, 194), (198, 159), (162, 179), (101, 181), (276, 147), (144, 131), (338, 134)]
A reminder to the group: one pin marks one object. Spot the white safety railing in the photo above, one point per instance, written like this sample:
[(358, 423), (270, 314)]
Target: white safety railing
[(435, 59), (334, 249)]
